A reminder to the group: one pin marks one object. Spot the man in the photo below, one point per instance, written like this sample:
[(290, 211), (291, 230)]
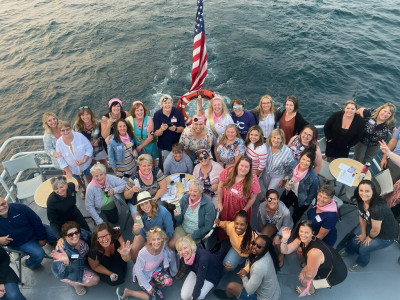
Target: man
[(394, 146), (262, 284), (22, 229)]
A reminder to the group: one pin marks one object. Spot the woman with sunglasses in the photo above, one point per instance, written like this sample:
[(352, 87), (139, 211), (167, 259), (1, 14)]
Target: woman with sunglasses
[(322, 261), (51, 135), (61, 205), (151, 268), (237, 189), (308, 138), (263, 283), (87, 124), (143, 129), (121, 150), (230, 147), (243, 119), (208, 171), (196, 136), (108, 120), (234, 251), (100, 201), (109, 254), (266, 115), (76, 154), (69, 261)]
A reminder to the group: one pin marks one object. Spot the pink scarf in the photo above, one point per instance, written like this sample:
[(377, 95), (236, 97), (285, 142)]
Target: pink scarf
[(191, 203), (96, 184), (190, 260), (125, 139), (331, 207), (145, 176), (297, 177), (216, 118)]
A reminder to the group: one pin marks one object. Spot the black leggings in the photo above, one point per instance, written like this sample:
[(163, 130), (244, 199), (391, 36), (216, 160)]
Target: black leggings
[(290, 198)]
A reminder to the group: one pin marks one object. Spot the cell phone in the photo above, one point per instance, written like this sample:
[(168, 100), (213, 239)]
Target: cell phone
[(170, 124)]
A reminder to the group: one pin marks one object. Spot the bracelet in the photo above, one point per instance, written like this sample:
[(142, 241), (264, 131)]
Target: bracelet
[(284, 242)]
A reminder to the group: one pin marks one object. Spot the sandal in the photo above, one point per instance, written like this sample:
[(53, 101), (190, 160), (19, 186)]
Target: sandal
[(120, 294), (299, 289), (80, 290)]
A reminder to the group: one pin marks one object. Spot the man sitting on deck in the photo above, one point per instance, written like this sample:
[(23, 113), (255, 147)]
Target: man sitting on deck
[(21, 229)]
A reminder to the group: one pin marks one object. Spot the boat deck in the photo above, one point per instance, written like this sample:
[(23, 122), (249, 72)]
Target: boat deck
[(377, 281)]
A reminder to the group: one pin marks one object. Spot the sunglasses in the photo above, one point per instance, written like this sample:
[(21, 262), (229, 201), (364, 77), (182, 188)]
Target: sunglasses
[(165, 99), (198, 120), (59, 178), (202, 157), (255, 244), (269, 199), (71, 234), (155, 229), (82, 107), (237, 106)]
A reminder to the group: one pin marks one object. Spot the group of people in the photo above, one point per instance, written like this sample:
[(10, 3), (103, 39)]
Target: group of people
[(229, 154)]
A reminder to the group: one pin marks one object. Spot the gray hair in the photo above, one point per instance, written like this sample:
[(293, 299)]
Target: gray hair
[(55, 181), (199, 184), (98, 167), (146, 158)]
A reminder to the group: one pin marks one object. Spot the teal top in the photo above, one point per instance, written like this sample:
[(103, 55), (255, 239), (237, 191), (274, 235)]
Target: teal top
[(141, 134)]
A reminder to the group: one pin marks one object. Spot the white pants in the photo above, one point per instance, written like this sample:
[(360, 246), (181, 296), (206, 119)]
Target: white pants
[(188, 287), (271, 181)]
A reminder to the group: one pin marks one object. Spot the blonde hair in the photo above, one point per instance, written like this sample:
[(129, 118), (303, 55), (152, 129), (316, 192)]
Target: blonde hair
[(275, 132), (155, 231), (350, 102), (392, 109), (185, 240), (46, 127), (260, 110), (225, 110), (204, 124), (145, 157), (165, 96), (223, 138)]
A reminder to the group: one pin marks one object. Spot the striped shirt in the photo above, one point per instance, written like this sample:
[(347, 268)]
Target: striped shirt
[(258, 155), (276, 161)]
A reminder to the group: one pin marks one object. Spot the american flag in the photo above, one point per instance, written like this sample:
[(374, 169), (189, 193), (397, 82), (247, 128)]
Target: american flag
[(199, 67)]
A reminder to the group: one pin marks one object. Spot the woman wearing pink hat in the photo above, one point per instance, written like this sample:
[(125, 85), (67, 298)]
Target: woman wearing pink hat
[(115, 113)]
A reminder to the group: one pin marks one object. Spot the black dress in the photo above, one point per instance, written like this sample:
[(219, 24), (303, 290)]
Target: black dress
[(332, 257)]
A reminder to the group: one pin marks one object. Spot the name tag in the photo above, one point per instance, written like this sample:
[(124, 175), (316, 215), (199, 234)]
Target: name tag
[(235, 191), (174, 120), (371, 121), (318, 218)]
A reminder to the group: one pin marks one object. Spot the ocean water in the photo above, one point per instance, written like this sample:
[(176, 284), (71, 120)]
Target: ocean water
[(57, 55)]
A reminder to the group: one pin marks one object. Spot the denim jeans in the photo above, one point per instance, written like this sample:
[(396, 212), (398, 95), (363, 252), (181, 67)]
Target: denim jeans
[(35, 252), (12, 292), (364, 251), (233, 258)]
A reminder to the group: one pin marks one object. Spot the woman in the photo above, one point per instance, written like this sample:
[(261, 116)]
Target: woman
[(378, 227), (308, 138), (196, 215), (243, 119), (108, 120), (109, 255), (121, 150), (343, 130), (205, 270), (87, 124), (241, 235), (378, 124), (61, 205), (218, 117), (100, 201), (168, 126), (322, 261), (143, 129), (147, 270), (256, 149), (266, 115), (230, 147), (196, 136), (76, 155), (324, 215), (151, 215), (291, 121), (69, 262), (263, 283), (9, 289), (148, 178), (302, 187), (178, 161), (272, 217), (208, 172), (237, 189), (50, 137), (279, 160)]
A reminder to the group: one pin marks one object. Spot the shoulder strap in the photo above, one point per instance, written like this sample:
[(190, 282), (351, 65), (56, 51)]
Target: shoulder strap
[(212, 127)]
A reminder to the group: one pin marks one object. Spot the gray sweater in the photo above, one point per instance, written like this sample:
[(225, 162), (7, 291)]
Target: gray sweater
[(171, 166)]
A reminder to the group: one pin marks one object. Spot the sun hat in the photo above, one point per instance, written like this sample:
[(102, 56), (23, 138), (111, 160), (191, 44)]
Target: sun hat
[(143, 197)]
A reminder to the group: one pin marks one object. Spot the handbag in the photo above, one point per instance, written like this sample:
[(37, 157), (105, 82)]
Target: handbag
[(324, 283)]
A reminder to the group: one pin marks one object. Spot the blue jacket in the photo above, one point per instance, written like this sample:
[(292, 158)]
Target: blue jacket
[(206, 215), (22, 225), (308, 188), (116, 152), (163, 219)]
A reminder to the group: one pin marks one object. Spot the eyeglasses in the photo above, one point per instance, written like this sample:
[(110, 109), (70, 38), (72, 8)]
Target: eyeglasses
[(202, 157), (307, 134), (99, 238), (155, 229), (59, 178), (71, 234), (269, 199), (255, 244), (237, 106), (82, 107)]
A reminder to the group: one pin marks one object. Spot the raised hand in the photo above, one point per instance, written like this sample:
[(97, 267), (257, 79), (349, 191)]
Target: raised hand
[(286, 233), (125, 248), (60, 255)]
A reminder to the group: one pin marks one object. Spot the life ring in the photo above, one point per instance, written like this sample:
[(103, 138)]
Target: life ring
[(185, 99)]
